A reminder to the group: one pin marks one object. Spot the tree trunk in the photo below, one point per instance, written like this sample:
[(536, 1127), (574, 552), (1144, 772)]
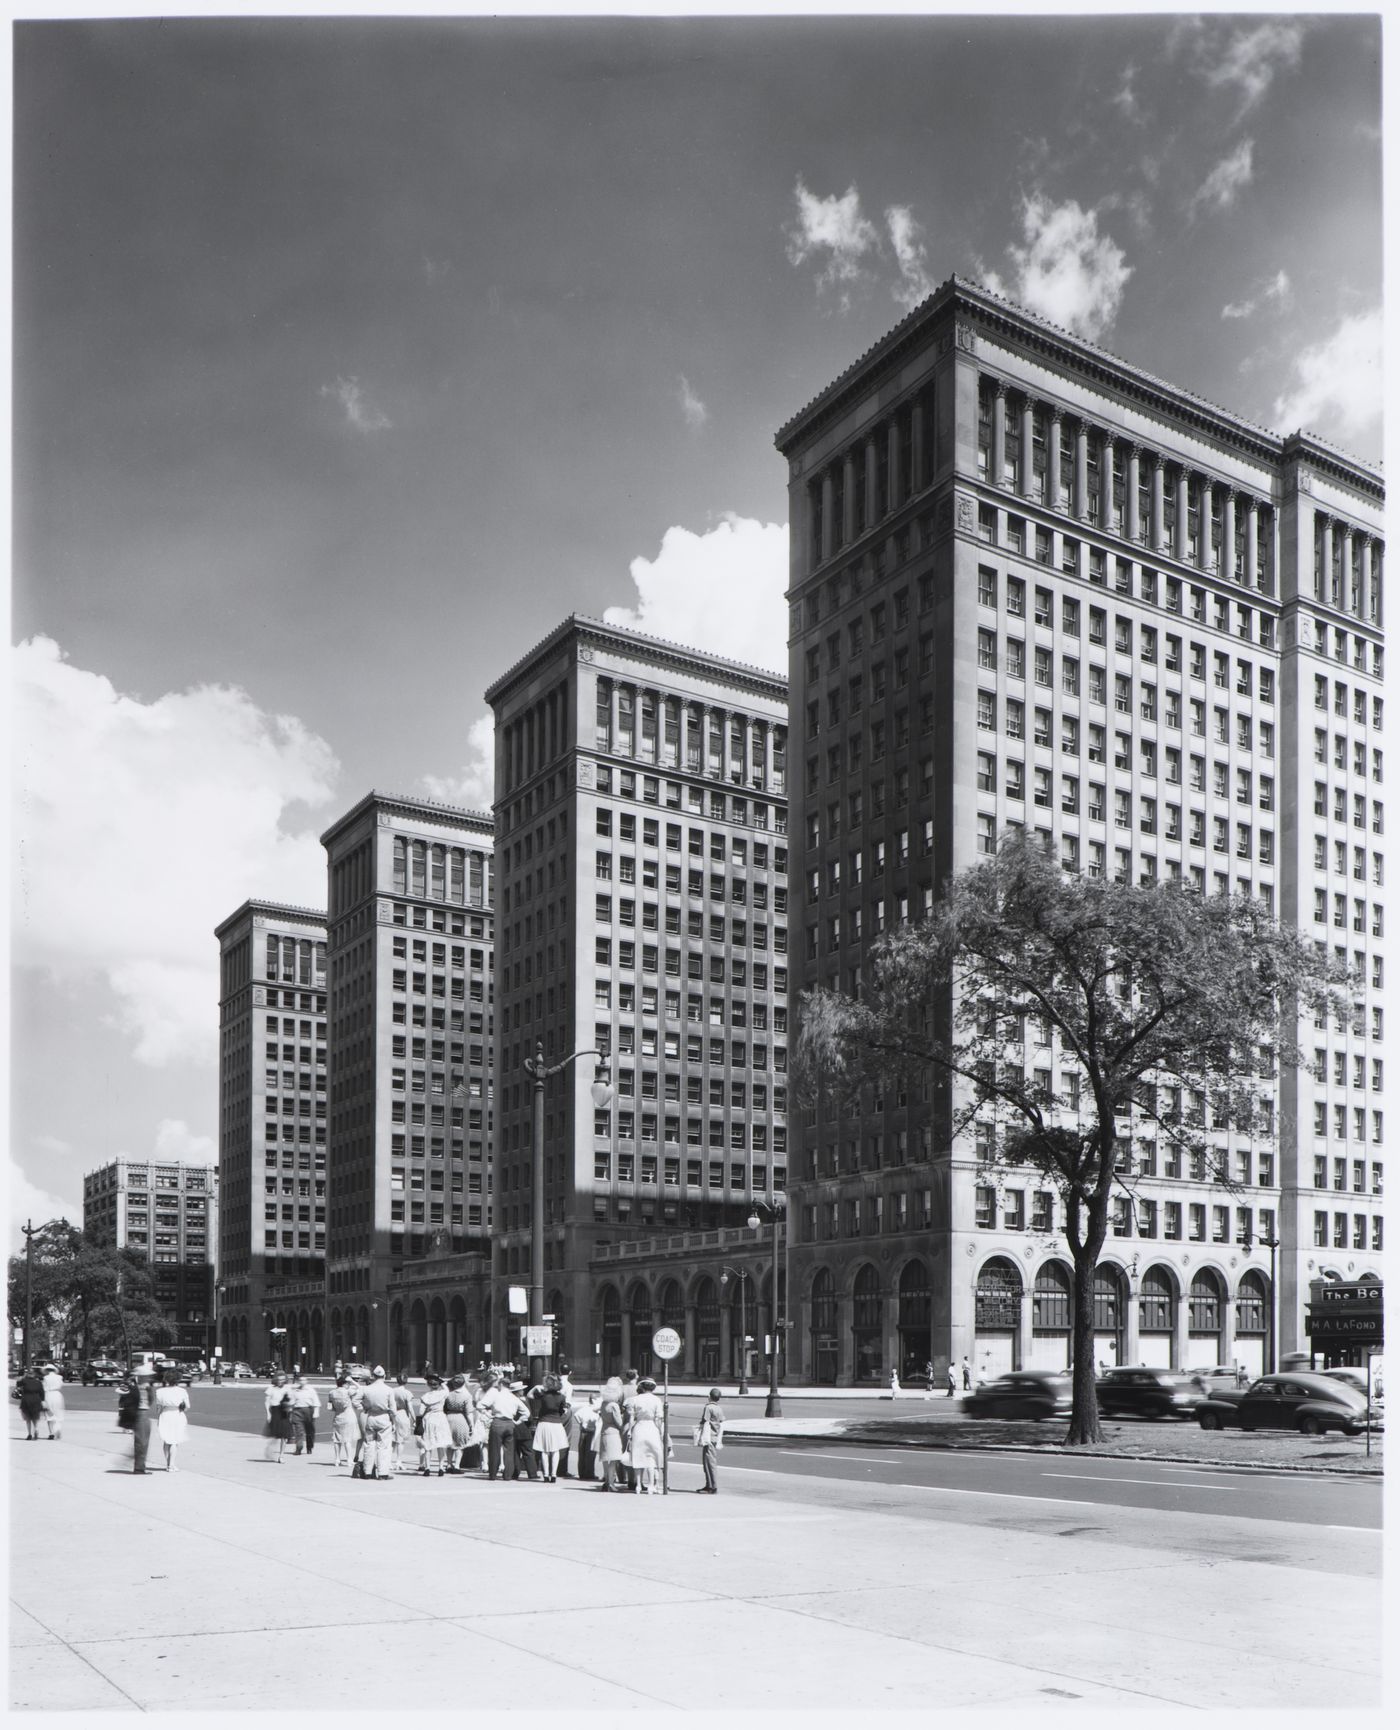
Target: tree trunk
[(1084, 1425)]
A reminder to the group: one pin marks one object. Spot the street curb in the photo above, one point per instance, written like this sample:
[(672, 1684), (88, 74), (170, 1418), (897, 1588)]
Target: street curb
[(1365, 1473)]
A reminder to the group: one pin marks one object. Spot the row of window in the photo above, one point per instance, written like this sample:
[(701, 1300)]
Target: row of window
[(699, 1173), (1015, 716), (1339, 1123), (1340, 706), (867, 1215), (1339, 1238), (1339, 1175)]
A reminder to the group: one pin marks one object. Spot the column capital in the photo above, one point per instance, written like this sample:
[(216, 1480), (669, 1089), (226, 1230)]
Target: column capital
[(1003, 389), (1057, 415)]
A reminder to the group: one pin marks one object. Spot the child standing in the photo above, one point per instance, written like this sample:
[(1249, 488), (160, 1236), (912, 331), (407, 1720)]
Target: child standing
[(709, 1437)]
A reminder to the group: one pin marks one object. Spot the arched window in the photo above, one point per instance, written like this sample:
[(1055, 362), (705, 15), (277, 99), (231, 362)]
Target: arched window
[(1108, 1292), (1252, 1303), (998, 1295), (915, 1301), (1156, 1302), (823, 1302), (1051, 1298), (672, 1307), (1205, 1303), (869, 1305)]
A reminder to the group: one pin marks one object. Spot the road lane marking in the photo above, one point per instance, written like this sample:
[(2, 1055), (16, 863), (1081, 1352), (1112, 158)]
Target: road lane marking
[(866, 1459), (1152, 1483)]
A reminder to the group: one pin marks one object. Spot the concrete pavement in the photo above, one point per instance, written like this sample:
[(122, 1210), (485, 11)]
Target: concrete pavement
[(237, 1583)]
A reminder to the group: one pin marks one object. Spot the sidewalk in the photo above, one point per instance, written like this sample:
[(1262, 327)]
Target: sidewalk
[(238, 1583)]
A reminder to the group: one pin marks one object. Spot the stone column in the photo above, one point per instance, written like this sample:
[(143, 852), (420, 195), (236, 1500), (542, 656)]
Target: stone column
[(1181, 1324), (1081, 471), (1366, 570), (1159, 515), (845, 1341), (918, 444), (848, 498), (1227, 538), (1132, 1320), (1106, 455), (692, 1340), (1024, 1333), (1027, 447), (626, 1338), (872, 473), (998, 435), (726, 1343), (1325, 583), (1052, 460), (1133, 482), (828, 515), (1348, 542), (1183, 494), (896, 497), (1251, 544), (1203, 542)]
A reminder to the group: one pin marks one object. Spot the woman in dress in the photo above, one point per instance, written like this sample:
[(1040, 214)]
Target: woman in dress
[(436, 1439), (53, 1401), (172, 1402), (609, 1433), (345, 1424), (31, 1403), (644, 1439), (457, 1409), (551, 1432), (277, 1402), (403, 1420)]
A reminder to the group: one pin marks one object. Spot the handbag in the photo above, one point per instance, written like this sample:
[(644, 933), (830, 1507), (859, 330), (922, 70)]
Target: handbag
[(697, 1436)]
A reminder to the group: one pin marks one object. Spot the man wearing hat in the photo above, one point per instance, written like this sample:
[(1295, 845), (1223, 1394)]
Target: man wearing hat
[(377, 1416), (501, 1410), (524, 1434)]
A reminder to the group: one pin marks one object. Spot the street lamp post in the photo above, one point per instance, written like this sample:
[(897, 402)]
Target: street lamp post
[(539, 1071), (724, 1274), (30, 1229), (774, 1208)]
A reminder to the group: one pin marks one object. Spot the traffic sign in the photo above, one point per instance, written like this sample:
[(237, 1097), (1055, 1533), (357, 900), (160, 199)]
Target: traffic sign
[(666, 1344), (535, 1342)]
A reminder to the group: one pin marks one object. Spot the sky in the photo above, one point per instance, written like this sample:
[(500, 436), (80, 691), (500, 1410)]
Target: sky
[(349, 356)]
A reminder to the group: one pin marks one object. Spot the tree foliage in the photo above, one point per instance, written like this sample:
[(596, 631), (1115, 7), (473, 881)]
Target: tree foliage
[(1062, 1013), (96, 1296)]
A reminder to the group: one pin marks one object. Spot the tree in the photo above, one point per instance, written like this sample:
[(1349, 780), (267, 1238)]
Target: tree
[(101, 1294), (1156, 1003)]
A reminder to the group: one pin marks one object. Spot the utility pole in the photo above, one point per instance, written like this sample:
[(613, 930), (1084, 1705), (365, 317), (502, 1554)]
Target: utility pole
[(28, 1229)]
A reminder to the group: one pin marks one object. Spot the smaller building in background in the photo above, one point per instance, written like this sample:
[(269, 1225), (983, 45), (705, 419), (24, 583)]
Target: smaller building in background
[(166, 1212)]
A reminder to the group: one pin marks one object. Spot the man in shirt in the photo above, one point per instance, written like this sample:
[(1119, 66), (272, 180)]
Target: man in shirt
[(501, 1410), (525, 1457), (306, 1403), (377, 1415)]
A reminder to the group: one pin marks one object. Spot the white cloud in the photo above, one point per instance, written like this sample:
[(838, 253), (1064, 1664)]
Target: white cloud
[(695, 412), (721, 591), (360, 412), (1247, 58), (1223, 185), (139, 826), (1278, 289), (907, 239), (1125, 98), (31, 1200), (1067, 271), (475, 786), (834, 232), (1336, 386)]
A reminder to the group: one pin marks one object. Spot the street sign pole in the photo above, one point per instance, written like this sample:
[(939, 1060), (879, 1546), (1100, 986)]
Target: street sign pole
[(666, 1344)]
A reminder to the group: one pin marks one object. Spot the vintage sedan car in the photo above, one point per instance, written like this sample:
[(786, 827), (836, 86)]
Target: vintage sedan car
[(1351, 1377), (1023, 1394), (242, 1372), (1219, 1378), (1294, 1400), (98, 1371), (1137, 1390)]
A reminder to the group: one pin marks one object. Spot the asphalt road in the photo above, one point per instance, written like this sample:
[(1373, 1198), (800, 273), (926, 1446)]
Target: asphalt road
[(1007, 1483)]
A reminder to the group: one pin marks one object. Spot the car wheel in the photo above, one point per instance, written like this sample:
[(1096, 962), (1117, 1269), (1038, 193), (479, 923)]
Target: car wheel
[(1209, 1420), (1309, 1427)]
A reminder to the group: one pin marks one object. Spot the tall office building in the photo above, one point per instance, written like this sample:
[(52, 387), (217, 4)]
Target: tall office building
[(410, 1024), (272, 1133), (1034, 585), (641, 822), (167, 1212)]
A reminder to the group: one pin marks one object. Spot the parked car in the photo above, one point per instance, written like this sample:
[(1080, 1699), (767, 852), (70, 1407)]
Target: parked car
[(1351, 1377), (242, 1372), (97, 1371), (1219, 1378), (1024, 1394), (1137, 1390), (1295, 1400)]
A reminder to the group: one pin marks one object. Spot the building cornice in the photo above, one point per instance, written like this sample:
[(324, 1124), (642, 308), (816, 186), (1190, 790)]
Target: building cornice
[(425, 810), (579, 628), (959, 298), (272, 910)]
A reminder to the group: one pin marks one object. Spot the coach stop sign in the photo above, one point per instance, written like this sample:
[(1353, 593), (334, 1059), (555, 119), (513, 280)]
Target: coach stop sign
[(666, 1344)]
